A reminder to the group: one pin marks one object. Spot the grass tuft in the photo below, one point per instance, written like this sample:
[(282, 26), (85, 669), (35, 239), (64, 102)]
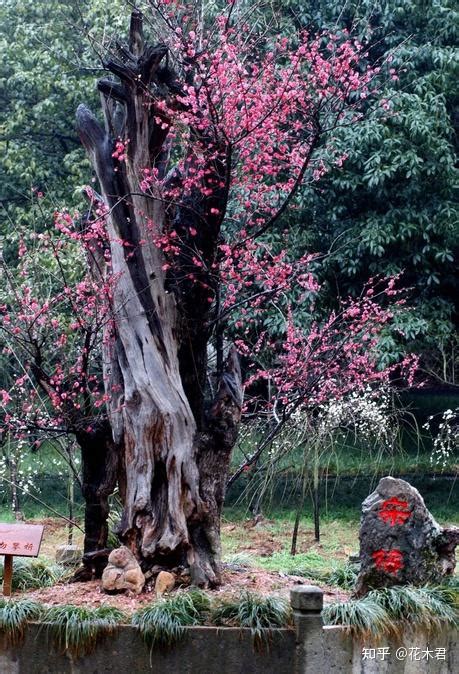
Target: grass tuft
[(32, 574), (427, 608), (259, 614), (77, 629), (361, 617), (239, 559), (162, 624), (14, 615), (344, 576), (389, 611)]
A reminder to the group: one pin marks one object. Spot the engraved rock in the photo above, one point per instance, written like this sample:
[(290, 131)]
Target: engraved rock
[(400, 541)]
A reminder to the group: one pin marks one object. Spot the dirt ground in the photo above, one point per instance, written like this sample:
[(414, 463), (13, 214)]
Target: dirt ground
[(257, 541)]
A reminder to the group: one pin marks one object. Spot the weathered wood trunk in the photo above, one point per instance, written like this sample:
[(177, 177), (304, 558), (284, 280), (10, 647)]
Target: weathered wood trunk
[(174, 448)]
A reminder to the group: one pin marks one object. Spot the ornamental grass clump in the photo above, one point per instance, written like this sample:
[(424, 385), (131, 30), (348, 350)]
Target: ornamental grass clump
[(360, 617), (14, 615), (32, 574), (259, 614), (344, 576), (426, 608), (391, 611), (77, 629), (162, 624)]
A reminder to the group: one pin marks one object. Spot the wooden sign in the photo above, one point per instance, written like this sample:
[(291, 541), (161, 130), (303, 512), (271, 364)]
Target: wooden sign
[(22, 540)]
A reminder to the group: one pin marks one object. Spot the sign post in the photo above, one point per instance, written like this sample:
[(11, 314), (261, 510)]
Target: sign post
[(20, 540)]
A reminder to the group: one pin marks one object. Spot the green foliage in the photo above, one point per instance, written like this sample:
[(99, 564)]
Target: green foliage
[(14, 616), (32, 574), (362, 617), (259, 614), (162, 624), (427, 608), (341, 575), (344, 576), (391, 206), (47, 69), (77, 629), (390, 611), (239, 559)]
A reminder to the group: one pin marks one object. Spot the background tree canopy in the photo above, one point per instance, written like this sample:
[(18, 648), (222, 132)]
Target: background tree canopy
[(388, 209), (391, 208), (47, 69)]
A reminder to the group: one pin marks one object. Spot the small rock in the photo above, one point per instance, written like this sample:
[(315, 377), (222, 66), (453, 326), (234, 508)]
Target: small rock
[(69, 555), (165, 582), (122, 572)]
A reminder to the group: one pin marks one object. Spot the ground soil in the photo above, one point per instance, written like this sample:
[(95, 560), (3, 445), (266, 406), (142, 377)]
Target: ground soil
[(253, 539)]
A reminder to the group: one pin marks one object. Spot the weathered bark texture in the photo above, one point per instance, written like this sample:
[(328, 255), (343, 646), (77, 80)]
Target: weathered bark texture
[(174, 448), (99, 463)]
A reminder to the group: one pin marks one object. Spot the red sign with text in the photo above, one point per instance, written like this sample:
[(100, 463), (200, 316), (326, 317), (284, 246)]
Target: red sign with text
[(390, 561), (394, 511)]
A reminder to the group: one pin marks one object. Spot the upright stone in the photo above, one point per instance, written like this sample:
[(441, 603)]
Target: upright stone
[(307, 602), (68, 555), (400, 541)]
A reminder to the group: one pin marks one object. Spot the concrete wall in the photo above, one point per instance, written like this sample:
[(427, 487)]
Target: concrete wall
[(309, 649), (330, 650), (417, 654), (205, 650)]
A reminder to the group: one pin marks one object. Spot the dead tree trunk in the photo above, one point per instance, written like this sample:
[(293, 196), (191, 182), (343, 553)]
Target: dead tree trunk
[(99, 463), (175, 448)]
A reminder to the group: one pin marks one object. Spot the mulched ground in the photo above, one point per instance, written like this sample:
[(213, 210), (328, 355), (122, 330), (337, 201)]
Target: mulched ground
[(234, 584), (235, 579)]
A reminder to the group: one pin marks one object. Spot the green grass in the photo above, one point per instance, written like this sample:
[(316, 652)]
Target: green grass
[(14, 615), (32, 574), (344, 576), (361, 617), (162, 624), (259, 614), (318, 562), (77, 629), (239, 559), (426, 608), (391, 611)]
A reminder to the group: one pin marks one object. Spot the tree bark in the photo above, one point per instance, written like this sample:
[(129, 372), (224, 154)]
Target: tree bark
[(174, 447), (99, 473)]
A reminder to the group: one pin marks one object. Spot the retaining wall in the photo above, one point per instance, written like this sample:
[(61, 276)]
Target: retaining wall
[(310, 648)]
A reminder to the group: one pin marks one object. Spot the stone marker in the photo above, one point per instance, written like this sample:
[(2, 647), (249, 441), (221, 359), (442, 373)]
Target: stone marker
[(165, 582), (69, 555), (400, 541), (122, 572)]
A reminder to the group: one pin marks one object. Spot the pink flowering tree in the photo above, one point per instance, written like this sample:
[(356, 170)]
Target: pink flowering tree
[(53, 319), (326, 361), (207, 137)]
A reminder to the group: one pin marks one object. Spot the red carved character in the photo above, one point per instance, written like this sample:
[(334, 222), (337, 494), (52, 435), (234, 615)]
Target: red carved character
[(390, 561), (394, 511), (28, 546)]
